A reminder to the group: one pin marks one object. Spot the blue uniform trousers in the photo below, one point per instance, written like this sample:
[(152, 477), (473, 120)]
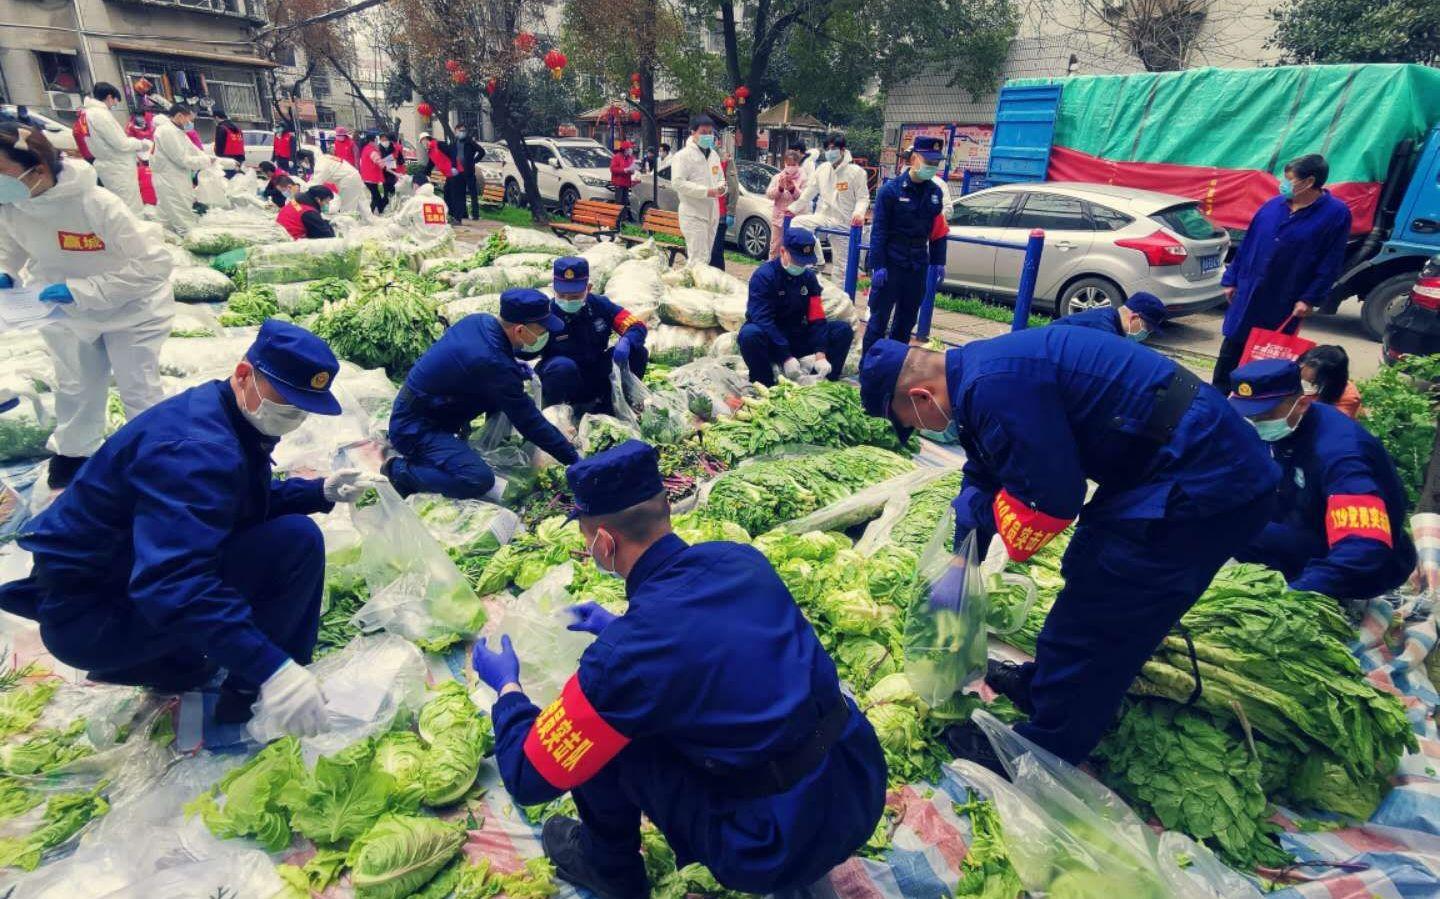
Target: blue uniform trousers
[(761, 354), (564, 379), (278, 566), (437, 462), (1126, 585), (902, 294)]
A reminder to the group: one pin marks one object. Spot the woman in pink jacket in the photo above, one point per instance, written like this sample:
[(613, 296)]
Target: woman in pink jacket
[(784, 189)]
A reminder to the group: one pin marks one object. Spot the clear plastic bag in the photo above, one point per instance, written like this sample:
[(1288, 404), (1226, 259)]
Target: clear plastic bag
[(636, 285), (530, 240), (677, 345), (688, 306), (715, 390), (731, 310), (604, 257), (866, 504), (537, 622), (600, 432), (945, 639), (464, 522), (200, 284), (210, 188), (304, 260), (660, 416)]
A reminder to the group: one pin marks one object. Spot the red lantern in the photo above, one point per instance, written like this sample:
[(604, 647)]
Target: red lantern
[(729, 104), (635, 115), (524, 42), (635, 92), (555, 61), (425, 109), (452, 65), (634, 77), (460, 76), (741, 93), (490, 86)]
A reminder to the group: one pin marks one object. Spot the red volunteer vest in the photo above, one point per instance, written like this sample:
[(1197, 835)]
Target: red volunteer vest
[(289, 218)]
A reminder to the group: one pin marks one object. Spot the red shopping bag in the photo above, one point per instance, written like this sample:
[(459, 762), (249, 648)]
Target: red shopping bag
[(1277, 344)]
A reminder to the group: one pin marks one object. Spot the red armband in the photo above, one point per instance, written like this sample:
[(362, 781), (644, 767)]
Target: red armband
[(939, 229), (624, 321), (817, 311), (569, 742), (1352, 515), (1024, 530)]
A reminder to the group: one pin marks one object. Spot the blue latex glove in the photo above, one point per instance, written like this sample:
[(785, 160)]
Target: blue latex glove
[(937, 274), (621, 354), (56, 293), (6, 282), (729, 222), (878, 278), (11, 403), (973, 512), (496, 668), (946, 593), (590, 618)]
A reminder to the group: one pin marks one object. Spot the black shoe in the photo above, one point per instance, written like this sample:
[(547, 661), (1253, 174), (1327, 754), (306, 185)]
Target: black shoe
[(62, 470), (967, 741), (563, 840), (235, 706), (1011, 680)]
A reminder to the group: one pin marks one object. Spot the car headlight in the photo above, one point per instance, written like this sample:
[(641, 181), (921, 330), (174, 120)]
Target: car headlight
[(594, 182)]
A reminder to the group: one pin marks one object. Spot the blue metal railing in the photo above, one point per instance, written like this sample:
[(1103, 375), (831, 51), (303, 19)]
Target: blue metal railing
[(1024, 296)]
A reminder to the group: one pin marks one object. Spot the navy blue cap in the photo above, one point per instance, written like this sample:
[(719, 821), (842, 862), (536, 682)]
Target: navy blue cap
[(879, 371), (526, 306), (1149, 308), (932, 148), (572, 274), (801, 244), (614, 480), (1259, 386), (299, 365)]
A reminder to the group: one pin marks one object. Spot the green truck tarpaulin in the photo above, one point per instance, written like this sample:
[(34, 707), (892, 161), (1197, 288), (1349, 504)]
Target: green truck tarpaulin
[(1223, 136)]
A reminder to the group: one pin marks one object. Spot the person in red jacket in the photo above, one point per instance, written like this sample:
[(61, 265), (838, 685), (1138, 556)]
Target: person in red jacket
[(439, 158), (622, 173), (301, 217), (283, 148), (345, 146), (372, 171), (229, 141), (142, 127)]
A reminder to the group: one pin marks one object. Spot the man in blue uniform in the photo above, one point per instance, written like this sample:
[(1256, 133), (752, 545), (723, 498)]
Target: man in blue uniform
[(174, 553), (1338, 527), (472, 370), (1142, 315), (709, 706), (907, 243), (785, 319), (575, 365), (1288, 262), (1184, 483)]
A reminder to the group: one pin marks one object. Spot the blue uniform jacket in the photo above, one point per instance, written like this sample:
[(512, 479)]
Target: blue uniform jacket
[(713, 662), (145, 520), (1283, 259), (1042, 411), (904, 220), (783, 305), (587, 331), (1339, 527), (1105, 318), (471, 370)]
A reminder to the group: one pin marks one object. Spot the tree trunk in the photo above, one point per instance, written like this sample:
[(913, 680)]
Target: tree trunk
[(519, 153), (647, 101), (749, 132), (375, 115)]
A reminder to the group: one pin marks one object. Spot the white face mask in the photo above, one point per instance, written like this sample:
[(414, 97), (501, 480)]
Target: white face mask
[(1309, 389), (596, 559), (273, 419), (13, 189)]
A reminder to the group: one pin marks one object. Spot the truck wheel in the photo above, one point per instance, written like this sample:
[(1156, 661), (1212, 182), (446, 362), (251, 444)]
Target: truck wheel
[(1375, 309)]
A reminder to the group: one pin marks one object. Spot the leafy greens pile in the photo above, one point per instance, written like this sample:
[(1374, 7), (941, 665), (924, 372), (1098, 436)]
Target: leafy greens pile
[(824, 414), (1401, 412), (250, 306), (389, 323), (761, 495)]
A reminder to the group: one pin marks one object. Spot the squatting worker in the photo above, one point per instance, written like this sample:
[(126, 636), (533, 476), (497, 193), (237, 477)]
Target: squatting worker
[(1184, 484), (302, 216), (1288, 262), (699, 182), (175, 553), (785, 318), (108, 277), (472, 370), (1141, 316), (907, 243), (575, 364), (1338, 526), (709, 706)]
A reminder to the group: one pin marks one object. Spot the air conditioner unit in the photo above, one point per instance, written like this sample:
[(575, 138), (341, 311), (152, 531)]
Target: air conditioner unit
[(62, 100)]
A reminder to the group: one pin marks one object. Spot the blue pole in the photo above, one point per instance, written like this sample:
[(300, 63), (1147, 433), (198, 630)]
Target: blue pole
[(1028, 271), (852, 261)]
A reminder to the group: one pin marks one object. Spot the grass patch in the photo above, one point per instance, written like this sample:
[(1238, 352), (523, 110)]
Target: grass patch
[(508, 215), (982, 309)]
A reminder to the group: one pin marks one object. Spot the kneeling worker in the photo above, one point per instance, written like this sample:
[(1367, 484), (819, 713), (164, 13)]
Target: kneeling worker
[(575, 365), (1338, 528), (174, 552), (472, 370), (301, 217), (767, 774), (1142, 315), (785, 319)]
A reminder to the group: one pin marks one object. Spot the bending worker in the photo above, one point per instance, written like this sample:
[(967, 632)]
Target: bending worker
[(844, 196), (1142, 315), (1338, 527), (785, 319), (472, 370), (351, 196), (907, 243), (575, 365), (709, 706), (107, 276), (302, 217), (175, 553), (114, 151), (1184, 484), (174, 166), (699, 182)]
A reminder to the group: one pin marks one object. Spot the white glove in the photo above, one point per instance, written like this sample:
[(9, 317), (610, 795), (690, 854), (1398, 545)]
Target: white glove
[(345, 486), (496, 492), (791, 368), (822, 367), (293, 697), (807, 363)]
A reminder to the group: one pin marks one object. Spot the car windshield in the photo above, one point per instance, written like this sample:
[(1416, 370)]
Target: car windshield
[(582, 157), (754, 177), (1188, 221)]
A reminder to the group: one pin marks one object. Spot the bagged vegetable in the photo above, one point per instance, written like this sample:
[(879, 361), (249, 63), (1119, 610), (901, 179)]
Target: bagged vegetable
[(308, 297), (200, 284), (837, 303), (635, 284), (945, 641), (727, 344), (458, 309), (210, 189), (211, 237), (525, 260), (201, 358), (676, 345), (714, 389), (604, 258), (529, 240), (864, 505), (600, 432), (730, 310), (497, 280), (537, 622), (689, 306), (303, 260)]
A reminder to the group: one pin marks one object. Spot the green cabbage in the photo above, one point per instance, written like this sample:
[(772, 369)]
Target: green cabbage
[(65, 814), (457, 736), (341, 798), (400, 854), (252, 794)]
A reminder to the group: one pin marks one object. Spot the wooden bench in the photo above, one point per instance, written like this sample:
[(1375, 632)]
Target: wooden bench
[(660, 221), (492, 195), (593, 217)]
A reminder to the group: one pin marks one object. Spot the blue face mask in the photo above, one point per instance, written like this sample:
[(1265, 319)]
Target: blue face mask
[(795, 269), (571, 306), (926, 172), (706, 141), (1276, 428), (832, 155), (951, 434), (1287, 188)]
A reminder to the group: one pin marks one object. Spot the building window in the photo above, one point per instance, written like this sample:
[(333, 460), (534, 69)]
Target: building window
[(58, 72), (285, 55), (320, 86)]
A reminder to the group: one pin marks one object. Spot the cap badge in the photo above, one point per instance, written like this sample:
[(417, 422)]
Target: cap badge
[(1244, 389), (569, 272), (320, 380), (807, 249)]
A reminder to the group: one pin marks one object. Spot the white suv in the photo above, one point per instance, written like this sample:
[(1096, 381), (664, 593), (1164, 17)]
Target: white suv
[(567, 170)]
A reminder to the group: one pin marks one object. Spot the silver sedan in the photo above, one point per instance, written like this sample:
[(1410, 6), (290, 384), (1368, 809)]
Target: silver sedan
[(751, 231)]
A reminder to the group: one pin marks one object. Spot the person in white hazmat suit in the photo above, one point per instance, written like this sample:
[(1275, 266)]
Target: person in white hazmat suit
[(114, 150), (699, 181), (107, 275), (174, 165), (844, 197), (353, 196)]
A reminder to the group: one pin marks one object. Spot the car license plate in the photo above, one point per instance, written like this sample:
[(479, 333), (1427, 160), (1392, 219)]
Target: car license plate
[(1209, 263)]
